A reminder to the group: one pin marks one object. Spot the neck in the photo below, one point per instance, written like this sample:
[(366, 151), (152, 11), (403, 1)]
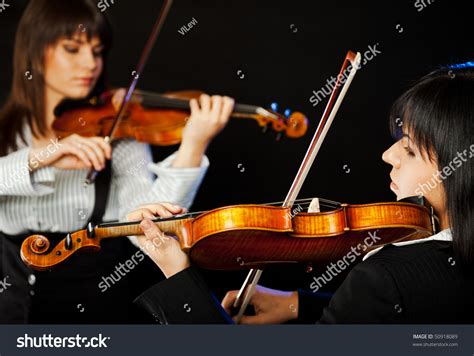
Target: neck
[(443, 221), (52, 99)]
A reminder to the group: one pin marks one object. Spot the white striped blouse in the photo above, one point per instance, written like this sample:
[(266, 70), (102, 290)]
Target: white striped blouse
[(55, 200)]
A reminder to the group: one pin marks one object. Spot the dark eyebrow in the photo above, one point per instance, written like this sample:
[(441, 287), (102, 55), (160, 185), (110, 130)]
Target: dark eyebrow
[(78, 41), (74, 39)]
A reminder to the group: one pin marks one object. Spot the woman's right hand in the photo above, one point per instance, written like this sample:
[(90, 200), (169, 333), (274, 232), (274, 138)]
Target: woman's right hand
[(271, 306), (72, 152)]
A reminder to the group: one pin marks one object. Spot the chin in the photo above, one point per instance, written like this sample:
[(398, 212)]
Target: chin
[(78, 94)]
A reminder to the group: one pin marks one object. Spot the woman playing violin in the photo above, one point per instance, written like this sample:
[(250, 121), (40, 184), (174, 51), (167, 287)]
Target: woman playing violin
[(430, 280), (60, 53)]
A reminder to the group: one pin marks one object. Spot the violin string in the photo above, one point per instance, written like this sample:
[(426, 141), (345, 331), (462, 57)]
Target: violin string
[(164, 101), (324, 202), (304, 203)]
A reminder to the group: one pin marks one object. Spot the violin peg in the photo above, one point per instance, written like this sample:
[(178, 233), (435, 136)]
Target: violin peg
[(90, 230), (265, 129), (68, 243), (279, 136)]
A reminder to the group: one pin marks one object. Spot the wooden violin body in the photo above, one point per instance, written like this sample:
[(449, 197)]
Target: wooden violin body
[(157, 119), (272, 236), (253, 236)]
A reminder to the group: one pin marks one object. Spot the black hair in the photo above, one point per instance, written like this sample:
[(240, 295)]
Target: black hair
[(438, 113)]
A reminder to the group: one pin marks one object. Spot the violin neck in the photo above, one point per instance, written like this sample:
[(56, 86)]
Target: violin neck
[(163, 102), (171, 226)]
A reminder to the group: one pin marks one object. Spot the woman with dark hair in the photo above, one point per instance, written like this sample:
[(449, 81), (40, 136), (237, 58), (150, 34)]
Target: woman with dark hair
[(60, 52), (426, 281)]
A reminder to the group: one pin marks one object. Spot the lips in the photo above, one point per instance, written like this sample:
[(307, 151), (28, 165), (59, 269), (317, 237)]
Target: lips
[(85, 80), (393, 186)]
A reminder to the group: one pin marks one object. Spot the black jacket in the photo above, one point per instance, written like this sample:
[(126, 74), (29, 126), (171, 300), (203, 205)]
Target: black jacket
[(418, 283)]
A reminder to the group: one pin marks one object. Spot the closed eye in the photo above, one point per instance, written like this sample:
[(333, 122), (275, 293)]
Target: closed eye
[(98, 51), (71, 49), (409, 151)]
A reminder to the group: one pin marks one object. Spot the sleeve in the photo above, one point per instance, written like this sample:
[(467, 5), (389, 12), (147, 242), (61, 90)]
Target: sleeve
[(17, 179), (183, 299), (311, 305), (135, 185), (368, 295)]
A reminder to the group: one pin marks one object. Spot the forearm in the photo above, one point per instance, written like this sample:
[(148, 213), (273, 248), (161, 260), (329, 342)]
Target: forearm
[(183, 299), (189, 155), (18, 178)]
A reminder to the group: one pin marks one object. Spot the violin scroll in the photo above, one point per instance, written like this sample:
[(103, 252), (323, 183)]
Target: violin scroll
[(37, 252), (297, 125), (294, 126), (37, 244)]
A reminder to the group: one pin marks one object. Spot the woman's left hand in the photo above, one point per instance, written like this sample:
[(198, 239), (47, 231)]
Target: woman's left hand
[(208, 117), (164, 250)]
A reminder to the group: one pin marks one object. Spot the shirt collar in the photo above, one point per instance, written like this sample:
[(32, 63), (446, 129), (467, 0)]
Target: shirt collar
[(444, 235)]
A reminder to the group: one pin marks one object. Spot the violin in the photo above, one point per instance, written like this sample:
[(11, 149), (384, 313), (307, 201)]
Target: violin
[(254, 236), (158, 119)]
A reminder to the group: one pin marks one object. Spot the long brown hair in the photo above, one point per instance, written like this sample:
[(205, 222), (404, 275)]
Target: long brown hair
[(41, 25)]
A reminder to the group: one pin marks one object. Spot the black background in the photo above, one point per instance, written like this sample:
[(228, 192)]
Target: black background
[(258, 38)]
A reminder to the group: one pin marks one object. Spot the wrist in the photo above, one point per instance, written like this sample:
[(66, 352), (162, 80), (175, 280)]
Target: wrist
[(170, 272), (189, 155), (34, 161), (199, 146)]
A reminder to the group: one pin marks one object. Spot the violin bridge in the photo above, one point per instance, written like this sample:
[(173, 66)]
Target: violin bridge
[(314, 206)]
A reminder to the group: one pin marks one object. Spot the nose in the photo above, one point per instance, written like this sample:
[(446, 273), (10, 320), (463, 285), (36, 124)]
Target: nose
[(391, 156), (88, 60)]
